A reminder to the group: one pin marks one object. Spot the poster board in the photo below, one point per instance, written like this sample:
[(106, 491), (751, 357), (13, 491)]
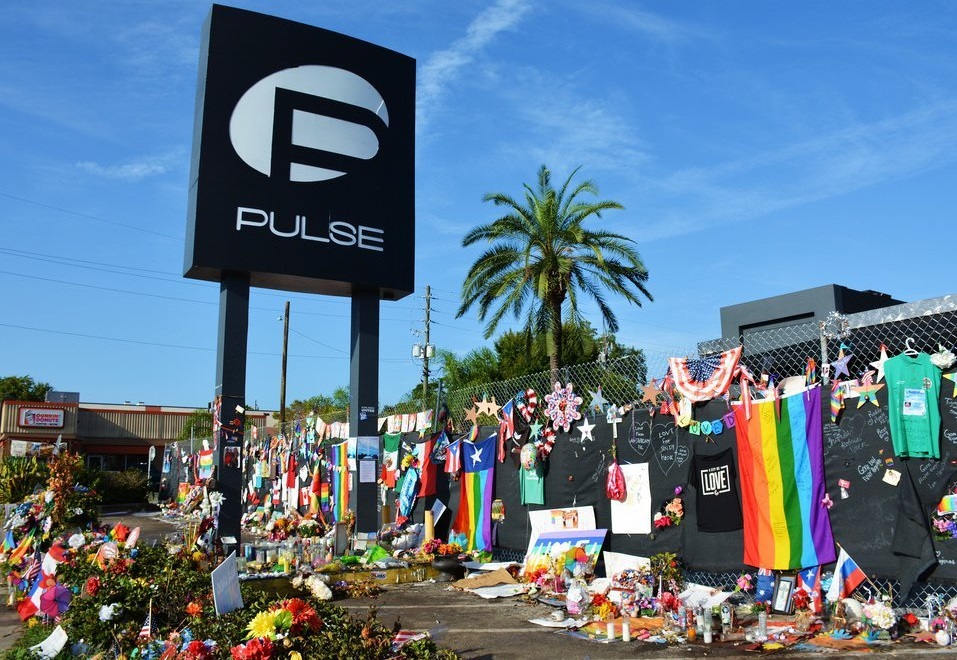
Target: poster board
[(225, 578)]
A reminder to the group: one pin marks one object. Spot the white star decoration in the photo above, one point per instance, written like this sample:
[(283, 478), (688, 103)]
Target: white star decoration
[(585, 427), (879, 364), (476, 455)]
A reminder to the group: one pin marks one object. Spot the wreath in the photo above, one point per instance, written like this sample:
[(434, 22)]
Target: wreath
[(562, 407)]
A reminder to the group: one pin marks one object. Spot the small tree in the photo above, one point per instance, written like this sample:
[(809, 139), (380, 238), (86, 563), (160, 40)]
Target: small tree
[(22, 388)]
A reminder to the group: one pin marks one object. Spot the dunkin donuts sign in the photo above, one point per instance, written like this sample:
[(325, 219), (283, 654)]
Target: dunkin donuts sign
[(51, 418)]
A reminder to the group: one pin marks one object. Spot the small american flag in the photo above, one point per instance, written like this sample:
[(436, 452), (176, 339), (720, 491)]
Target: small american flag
[(147, 629), (403, 637), (34, 569)]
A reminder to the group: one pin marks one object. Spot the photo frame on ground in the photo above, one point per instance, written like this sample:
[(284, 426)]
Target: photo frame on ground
[(782, 600)]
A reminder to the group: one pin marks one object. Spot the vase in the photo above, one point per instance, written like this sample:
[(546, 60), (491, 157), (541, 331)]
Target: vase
[(449, 568), (804, 620)]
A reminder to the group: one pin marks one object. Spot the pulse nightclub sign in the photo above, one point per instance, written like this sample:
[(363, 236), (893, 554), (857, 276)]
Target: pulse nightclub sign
[(302, 179), (303, 159)]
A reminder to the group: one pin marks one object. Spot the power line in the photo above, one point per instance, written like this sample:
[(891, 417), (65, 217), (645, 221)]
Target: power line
[(176, 346), (87, 216), (157, 295)]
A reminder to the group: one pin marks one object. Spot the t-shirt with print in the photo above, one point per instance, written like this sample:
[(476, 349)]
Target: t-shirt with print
[(715, 481)]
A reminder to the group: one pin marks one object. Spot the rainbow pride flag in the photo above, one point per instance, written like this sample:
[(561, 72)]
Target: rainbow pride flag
[(781, 468), (948, 504), (472, 527), (339, 478)]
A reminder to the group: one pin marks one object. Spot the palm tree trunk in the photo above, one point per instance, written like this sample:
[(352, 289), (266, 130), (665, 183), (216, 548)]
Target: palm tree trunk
[(555, 354)]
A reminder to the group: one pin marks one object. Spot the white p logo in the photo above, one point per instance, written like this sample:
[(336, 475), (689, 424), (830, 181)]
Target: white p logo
[(316, 120)]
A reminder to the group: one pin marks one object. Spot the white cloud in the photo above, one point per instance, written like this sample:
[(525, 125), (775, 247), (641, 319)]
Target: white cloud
[(629, 17), (841, 162), (137, 169), (442, 67)]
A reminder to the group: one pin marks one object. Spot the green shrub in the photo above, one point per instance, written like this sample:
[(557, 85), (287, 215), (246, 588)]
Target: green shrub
[(19, 477), (153, 578), (124, 487)]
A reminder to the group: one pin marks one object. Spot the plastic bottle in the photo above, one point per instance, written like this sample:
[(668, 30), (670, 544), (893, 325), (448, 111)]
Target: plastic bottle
[(762, 625)]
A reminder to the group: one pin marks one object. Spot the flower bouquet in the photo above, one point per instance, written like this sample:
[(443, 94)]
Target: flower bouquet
[(672, 511)]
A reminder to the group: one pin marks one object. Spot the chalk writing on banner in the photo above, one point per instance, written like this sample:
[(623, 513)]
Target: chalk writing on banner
[(665, 445), (869, 469), (951, 406), (930, 471), (639, 435)]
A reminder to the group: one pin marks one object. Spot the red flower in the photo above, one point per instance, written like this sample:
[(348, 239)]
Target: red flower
[(196, 650), (194, 609), (802, 599), (92, 585), (255, 649), (303, 616)]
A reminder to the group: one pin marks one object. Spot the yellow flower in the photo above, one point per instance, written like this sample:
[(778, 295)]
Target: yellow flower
[(262, 625), (295, 655)]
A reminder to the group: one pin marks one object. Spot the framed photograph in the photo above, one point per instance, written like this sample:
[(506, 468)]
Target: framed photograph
[(783, 596)]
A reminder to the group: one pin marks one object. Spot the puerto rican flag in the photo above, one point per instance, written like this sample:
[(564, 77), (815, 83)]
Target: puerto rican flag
[(847, 577), (809, 579), (453, 457)]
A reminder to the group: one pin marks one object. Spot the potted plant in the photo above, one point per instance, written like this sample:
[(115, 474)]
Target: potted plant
[(446, 558)]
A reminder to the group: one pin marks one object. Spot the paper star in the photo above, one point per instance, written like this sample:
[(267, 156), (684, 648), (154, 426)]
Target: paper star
[(471, 414), (840, 364), (484, 406), (879, 364), (650, 392), (868, 393), (493, 408), (535, 428), (952, 377), (598, 402), (476, 455), (585, 427)]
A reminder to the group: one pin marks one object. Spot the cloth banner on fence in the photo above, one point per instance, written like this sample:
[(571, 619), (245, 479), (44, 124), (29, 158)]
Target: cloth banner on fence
[(781, 461), (472, 527)]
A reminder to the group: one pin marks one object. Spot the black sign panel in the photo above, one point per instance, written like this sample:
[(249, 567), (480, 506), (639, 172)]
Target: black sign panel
[(303, 159)]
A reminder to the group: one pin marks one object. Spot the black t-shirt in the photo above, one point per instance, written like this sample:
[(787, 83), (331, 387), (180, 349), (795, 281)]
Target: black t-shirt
[(715, 481)]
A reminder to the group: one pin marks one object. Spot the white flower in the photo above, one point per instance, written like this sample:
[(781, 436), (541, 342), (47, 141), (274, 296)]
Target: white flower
[(216, 498), (319, 589), (107, 612), (48, 496), (77, 541), (880, 615)]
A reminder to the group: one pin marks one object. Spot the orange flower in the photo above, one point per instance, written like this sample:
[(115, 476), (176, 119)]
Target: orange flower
[(194, 609)]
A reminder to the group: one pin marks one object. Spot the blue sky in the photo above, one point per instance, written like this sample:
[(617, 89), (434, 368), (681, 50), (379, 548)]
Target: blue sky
[(758, 148)]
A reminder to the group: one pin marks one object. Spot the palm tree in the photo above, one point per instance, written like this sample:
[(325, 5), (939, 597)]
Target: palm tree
[(542, 257)]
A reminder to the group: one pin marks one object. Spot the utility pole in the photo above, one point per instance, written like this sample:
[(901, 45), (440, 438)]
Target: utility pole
[(425, 352), (282, 380)]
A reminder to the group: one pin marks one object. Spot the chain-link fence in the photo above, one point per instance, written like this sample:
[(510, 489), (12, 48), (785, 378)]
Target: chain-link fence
[(771, 356)]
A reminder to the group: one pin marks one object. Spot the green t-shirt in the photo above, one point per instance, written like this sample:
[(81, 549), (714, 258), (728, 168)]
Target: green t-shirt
[(531, 484), (913, 408)]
